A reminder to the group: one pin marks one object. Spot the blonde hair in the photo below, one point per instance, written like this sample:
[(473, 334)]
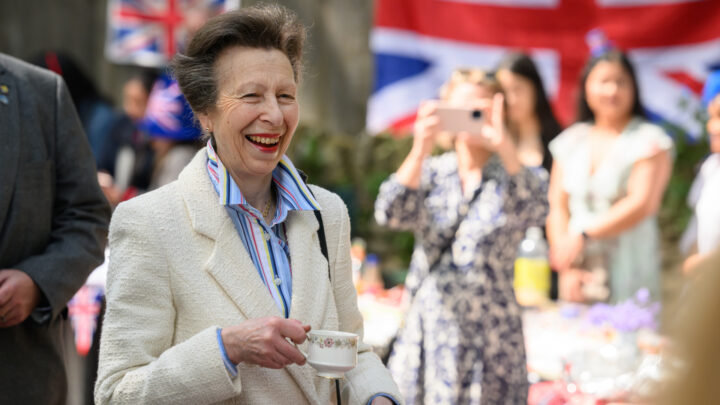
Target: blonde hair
[(696, 335), (475, 76)]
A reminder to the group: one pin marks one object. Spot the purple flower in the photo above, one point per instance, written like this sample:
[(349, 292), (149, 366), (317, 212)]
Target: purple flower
[(599, 314), (642, 296), (627, 316)]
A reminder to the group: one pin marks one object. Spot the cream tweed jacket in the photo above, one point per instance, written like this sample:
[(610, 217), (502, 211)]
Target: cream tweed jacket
[(178, 271)]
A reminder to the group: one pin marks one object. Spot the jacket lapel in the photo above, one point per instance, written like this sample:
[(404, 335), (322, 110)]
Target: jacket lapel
[(310, 269), (310, 286), (229, 263), (10, 144), (232, 268)]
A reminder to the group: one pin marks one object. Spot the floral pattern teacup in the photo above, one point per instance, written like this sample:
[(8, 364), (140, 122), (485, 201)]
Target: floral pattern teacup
[(331, 353)]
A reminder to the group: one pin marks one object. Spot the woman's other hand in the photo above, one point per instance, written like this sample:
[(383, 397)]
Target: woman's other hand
[(262, 342), (107, 185), (570, 285), (494, 135), (425, 129), (564, 253)]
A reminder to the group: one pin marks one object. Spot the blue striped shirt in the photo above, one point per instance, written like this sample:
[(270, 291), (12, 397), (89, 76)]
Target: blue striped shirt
[(265, 243)]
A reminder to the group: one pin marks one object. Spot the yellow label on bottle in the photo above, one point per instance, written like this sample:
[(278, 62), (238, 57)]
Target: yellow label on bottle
[(532, 281)]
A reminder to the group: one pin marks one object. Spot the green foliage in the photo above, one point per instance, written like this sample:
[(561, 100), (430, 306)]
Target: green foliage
[(354, 166), (675, 214)]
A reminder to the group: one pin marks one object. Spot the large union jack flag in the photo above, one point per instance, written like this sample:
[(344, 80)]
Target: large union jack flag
[(674, 44), (150, 32)]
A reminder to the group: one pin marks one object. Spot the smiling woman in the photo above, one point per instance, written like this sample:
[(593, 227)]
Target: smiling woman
[(203, 305), (256, 113)]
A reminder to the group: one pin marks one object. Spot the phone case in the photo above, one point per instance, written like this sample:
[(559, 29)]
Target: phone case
[(457, 119)]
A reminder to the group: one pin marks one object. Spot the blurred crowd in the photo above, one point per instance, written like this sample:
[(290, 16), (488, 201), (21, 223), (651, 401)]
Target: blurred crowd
[(471, 195), (594, 189), (605, 186), (140, 146)]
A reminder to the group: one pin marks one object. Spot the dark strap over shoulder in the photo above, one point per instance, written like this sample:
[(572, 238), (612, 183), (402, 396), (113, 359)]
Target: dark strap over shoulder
[(321, 228), (464, 210), (321, 237)]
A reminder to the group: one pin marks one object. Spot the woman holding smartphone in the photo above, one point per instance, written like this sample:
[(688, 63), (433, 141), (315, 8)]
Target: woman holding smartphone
[(462, 341)]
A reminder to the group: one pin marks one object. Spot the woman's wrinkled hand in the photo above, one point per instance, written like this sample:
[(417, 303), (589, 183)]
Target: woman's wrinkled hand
[(262, 342)]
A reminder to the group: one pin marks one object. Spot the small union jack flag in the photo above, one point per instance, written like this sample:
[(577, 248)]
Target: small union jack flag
[(168, 114), (150, 32), (84, 309)]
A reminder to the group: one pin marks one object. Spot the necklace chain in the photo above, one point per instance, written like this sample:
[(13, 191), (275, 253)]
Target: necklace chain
[(266, 210)]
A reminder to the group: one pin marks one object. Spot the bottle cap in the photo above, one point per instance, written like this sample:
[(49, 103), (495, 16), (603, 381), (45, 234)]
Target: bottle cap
[(534, 232), (372, 259)]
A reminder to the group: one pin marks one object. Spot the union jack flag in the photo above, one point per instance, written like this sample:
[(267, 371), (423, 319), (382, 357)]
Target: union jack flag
[(84, 309), (168, 114), (674, 44), (150, 32)]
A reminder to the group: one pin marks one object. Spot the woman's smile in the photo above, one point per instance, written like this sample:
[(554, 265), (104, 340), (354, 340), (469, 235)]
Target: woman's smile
[(267, 143)]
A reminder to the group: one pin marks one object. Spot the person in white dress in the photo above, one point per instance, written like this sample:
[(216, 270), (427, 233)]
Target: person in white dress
[(704, 195), (609, 174)]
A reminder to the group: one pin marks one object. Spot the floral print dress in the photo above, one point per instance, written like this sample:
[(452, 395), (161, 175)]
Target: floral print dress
[(462, 340)]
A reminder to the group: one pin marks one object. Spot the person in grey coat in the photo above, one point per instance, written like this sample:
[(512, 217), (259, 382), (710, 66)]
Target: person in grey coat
[(53, 229)]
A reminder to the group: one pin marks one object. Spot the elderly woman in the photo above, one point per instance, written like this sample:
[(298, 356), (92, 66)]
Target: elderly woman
[(462, 342), (214, 276)]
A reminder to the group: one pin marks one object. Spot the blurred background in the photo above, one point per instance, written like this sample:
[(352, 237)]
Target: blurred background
[(336, 85), (368, 64)]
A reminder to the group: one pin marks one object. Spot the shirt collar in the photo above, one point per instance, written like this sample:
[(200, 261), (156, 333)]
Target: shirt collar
[(293, 192)]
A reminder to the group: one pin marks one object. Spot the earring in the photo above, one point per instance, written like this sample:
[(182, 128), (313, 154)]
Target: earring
[(207, 129)]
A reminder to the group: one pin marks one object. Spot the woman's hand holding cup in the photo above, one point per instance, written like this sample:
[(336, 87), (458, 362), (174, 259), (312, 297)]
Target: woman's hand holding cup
[(262, 342)]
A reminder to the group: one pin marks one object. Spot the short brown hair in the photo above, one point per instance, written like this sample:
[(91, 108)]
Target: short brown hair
[(262, 26)]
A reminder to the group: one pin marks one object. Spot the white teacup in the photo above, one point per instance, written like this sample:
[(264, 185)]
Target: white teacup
[(331, 353)]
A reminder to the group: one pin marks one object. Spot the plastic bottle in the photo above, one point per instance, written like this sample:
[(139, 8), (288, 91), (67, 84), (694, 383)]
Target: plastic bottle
[(532, 269), (357, 257), (371, 278)]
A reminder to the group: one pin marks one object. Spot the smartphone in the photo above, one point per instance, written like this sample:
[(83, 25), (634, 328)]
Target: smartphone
[(458, 119)]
